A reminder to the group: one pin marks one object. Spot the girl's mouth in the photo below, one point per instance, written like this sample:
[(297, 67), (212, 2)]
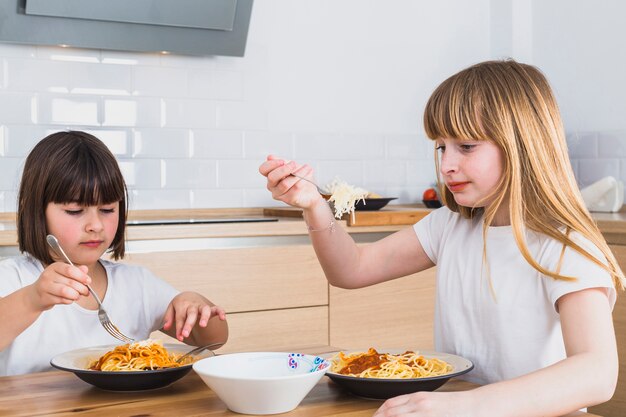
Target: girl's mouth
[(92, 243), (455, 187)]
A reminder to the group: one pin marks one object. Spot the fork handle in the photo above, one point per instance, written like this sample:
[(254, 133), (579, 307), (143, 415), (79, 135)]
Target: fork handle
[(54, 244)]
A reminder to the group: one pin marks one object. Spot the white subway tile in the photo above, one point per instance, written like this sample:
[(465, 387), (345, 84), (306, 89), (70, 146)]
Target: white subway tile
[(20, 139), (238, 115), (239, 174), (190, 173), (68, 110), (378, 174), (405, 147), (216, 198), (58, 53), (159, 199), (348, 171), (200, 82), (227, 85), (582, 145), (159, 81), (102, 79), (333, 146), (37, 75), (141, 173), (130, 58), (422, 171), (161, 143), (189, 113), (10, 173), (257, 197), (9, 201), (18, 108), (592, 170), (141, 112), (406, 195), (260, 144), (217, 144), (187, 61), (18, 50), (117, 140), (611, 145)]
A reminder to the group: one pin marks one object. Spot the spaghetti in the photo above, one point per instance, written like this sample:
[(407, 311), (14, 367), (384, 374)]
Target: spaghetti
[(345, 196), (138, 356), (372, 364)]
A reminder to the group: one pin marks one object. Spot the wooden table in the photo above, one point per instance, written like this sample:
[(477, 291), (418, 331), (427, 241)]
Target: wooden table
[(60, 393)]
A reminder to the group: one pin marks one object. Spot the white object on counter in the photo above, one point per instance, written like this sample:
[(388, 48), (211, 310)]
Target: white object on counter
[(605, 195)]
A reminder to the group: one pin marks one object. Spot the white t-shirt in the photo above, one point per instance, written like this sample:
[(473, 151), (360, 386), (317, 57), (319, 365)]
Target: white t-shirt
[(519, 330), (135, 301)]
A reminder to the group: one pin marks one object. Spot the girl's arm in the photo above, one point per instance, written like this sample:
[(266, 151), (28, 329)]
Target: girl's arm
[(59, 283), (193, 319), (345, 264), (587, 376)]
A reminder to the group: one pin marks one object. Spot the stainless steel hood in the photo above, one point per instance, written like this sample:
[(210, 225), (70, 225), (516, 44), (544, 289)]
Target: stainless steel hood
[(192, 27)]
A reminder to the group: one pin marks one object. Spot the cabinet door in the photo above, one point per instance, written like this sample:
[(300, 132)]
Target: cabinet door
[(394, 314), (244, 279), (616, 406)]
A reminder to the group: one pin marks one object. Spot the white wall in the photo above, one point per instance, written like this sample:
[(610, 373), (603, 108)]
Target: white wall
[(340, 85), (581, 47)]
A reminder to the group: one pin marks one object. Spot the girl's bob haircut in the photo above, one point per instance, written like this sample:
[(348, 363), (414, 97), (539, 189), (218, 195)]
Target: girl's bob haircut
[(67, 167)]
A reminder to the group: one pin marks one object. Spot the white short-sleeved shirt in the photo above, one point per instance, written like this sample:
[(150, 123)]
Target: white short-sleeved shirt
[(517, 331), (135, 301)]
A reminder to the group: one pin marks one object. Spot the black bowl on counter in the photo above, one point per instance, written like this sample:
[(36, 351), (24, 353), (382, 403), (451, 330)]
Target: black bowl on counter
[(370, 204)]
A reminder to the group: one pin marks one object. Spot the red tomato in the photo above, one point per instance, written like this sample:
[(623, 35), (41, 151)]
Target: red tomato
[(430, 194)]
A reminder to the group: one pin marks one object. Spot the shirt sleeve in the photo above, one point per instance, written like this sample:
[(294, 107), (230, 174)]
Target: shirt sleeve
[(10, 277), (430, 231), (587, 273)]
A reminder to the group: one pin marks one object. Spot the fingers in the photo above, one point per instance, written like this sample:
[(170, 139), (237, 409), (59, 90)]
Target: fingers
[(168, 320)]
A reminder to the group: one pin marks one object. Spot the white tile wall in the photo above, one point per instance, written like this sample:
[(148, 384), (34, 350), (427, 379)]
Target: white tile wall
[(192, 131)]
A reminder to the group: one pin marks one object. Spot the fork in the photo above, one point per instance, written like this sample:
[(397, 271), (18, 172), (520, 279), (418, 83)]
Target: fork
[(102, 314), (198, 350), (319, 190)]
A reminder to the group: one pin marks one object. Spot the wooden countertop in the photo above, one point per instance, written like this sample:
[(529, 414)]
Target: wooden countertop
[(61, 393), (612, 225)]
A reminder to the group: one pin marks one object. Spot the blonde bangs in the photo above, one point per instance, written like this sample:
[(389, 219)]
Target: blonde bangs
[(446, 115)]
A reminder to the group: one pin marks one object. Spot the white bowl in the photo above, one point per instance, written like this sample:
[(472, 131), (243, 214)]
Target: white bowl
[(261, 382)]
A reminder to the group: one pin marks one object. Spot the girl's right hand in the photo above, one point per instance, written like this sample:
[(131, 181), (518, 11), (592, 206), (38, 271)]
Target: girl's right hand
[(287, 188), (59, 283)]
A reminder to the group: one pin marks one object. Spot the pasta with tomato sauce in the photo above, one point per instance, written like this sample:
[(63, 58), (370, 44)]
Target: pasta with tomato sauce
[(138, 356), (372, 364)]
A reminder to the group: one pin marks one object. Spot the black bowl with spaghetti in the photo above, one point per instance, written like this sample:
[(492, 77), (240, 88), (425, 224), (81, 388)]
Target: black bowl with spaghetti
[(78, 361), (384, 388)]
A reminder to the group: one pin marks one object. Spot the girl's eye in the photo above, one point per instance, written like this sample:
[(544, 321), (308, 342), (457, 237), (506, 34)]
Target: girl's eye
[(73, 212), (107, 210), (467, 147), (440, 148)]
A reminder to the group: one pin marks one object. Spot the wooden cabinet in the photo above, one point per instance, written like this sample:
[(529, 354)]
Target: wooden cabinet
[(394, 314)]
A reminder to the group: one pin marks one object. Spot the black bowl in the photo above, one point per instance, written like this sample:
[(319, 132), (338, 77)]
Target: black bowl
[(77, 361), (382, 389), (371, 204), (432, 203)]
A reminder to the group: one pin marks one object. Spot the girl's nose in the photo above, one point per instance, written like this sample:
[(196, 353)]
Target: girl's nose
[(94, 223), (449, 163)]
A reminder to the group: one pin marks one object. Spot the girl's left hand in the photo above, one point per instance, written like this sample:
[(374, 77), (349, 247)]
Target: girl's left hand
[(187, 309), (429, 404)]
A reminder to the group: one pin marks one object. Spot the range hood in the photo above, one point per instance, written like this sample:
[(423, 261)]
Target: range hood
[(191, 27)]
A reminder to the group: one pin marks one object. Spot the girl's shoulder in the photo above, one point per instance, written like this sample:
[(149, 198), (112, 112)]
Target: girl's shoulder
[(21, 263), (123, 269)]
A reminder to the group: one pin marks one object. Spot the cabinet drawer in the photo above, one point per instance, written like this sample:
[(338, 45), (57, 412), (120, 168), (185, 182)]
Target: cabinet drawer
[(244, 279), (394, 314)]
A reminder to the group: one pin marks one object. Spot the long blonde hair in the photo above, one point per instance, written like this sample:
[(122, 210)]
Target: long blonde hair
[(513, 105)]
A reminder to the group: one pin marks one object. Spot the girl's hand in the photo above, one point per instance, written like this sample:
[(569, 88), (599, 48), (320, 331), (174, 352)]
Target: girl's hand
[(187, 309), (59, 283), (430, 404), (287, 188)]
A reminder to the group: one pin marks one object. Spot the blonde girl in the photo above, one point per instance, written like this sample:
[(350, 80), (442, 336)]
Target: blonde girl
[(525, 281)]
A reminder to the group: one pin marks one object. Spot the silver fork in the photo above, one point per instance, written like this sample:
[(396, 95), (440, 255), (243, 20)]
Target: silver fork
[(319, 190), (102, 314)]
